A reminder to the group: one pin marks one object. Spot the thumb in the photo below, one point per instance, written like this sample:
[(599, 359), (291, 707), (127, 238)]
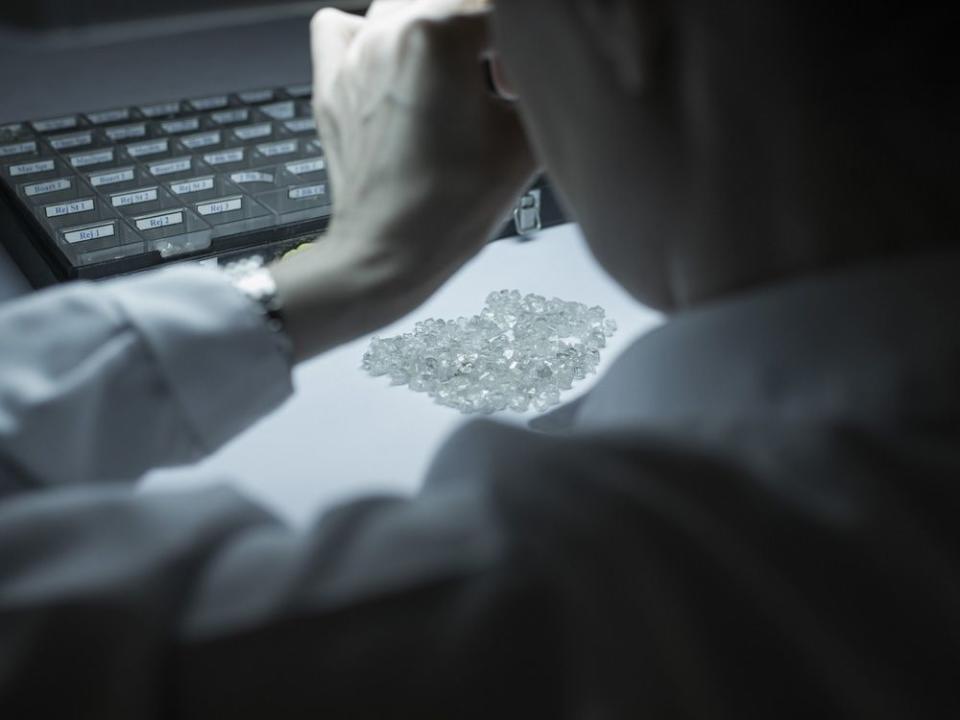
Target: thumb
[(331, 34), (465, 35)]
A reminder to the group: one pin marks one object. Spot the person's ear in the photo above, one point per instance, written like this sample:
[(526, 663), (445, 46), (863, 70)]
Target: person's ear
[(630, 35)]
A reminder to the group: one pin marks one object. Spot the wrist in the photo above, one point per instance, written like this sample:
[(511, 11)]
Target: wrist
[(336, 291)]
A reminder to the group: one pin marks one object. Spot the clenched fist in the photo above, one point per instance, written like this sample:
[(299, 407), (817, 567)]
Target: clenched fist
[(424, 160)]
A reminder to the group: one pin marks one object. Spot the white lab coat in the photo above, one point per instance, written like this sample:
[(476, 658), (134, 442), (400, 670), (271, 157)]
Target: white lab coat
[(754, 514)]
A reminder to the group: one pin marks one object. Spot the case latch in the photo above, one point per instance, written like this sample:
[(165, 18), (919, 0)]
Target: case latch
[(526, 215)]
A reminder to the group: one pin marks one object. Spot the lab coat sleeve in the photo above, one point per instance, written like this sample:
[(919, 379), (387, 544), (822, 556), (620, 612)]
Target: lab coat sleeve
[(119, 605), (105, 381)]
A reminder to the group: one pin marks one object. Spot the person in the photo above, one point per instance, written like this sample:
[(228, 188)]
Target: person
[(752, 515)]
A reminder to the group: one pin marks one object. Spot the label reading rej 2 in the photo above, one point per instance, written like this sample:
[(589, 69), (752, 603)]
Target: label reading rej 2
[(156, 222)]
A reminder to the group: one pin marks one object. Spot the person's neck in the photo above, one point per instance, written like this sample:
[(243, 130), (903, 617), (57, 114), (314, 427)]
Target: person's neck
[(789, 207)]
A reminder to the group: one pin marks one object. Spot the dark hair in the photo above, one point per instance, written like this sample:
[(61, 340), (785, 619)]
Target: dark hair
[(900, 46)]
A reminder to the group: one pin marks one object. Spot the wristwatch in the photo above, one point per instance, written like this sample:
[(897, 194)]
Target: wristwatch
[(258, 285)]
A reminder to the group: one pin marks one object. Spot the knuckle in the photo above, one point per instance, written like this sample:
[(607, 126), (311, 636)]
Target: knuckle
[(421, 36), (322, 17)]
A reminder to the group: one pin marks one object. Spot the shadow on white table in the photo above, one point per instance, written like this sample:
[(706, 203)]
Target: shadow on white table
[(346, 434)]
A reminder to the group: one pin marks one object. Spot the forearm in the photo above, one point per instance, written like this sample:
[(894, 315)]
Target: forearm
[(345, 287), (107, 381)]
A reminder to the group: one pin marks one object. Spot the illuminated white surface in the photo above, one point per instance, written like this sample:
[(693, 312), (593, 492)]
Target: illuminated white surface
[(345, 433)]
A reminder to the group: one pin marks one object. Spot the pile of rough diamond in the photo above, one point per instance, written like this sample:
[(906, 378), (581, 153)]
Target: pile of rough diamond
[(517, 353)]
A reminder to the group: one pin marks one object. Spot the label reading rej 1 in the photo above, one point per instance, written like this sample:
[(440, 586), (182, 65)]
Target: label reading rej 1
[(173, 166), (135, 198), (191, 186), (45, 188), (303, 167), (156, 222), (252, 132), (32, 168), (227, 156), (70, 208), (304, 193), (18, 149), (220, 206), (92, 158), (147, 148), (90, 233), (112, 178)]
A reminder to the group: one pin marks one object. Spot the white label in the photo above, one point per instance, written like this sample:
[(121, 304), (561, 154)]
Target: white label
[(257, 96), (251, 177), (229, 117), (70, 208), (175, 127), (109, 116), (217, 207), (61, 123), (300, 91), (281, 110), (62, 142), (32, 168), (195, 142), (278, 148), (48, 187), (134, 198), (18, 148), (126, 132), (301, 125), (302, 167), (252, 132), (222, 158), (91, 233), (210, 103), (173, 166), (169, 108), (303, 193), (155, 222), (92, 158), (191, 186), (147, 148), (112, 178)]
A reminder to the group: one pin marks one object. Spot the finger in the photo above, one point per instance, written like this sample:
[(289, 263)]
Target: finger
[(331, 33), (501, 79), (462, 36), (410, 9)]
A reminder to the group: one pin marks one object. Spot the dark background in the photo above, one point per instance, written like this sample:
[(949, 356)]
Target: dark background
[(76, 13)]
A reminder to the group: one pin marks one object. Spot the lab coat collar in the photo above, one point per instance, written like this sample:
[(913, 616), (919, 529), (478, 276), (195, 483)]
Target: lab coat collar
[(877, 344)]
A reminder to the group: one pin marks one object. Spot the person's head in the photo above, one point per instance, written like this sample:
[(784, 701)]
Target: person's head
[(710, 145)]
